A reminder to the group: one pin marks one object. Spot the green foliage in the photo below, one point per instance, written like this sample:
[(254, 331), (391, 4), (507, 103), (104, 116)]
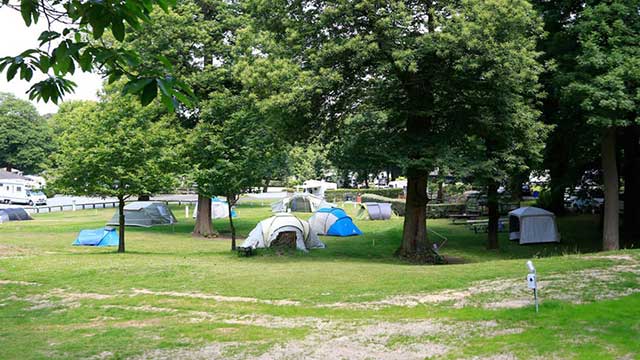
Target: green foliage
[(118, 149), (608, 63), (25, 138), (79, 43), (307, 162)]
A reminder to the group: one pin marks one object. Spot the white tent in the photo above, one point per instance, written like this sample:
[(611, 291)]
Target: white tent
[(533, 225), (219, 209), (300, 203), (268, 230)]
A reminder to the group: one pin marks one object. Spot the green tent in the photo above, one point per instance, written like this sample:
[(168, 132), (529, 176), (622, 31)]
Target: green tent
[(145, 214)]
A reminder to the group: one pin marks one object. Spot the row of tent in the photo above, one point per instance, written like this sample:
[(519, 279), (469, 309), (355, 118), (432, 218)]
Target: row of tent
[(304, 202)]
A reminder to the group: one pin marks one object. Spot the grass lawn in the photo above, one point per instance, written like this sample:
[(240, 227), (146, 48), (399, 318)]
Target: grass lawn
[(173, 296)]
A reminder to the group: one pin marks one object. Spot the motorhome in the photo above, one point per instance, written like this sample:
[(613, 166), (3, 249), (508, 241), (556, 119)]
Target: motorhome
[(16, 189), (14, 192)]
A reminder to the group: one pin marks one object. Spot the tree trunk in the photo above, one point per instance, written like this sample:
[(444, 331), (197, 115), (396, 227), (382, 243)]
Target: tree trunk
[(230, 200), (121, 224), (415, 243), (494, 216), (440, 196), (203, 226), (265, 188), (631, 217), (610, 237)]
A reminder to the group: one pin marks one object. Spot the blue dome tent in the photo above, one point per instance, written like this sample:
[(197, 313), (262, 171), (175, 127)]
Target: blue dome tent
[(333, 222), (97, 237)]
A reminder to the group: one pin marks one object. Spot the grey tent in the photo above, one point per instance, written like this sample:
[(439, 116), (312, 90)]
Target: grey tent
[(301, 202), (532, 225), (145, 214), (375, 211), (13, 214)]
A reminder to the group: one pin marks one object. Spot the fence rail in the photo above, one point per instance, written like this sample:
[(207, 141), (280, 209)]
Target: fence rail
[(94, 205)]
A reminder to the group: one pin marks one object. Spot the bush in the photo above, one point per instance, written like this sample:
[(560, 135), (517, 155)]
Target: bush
[(437, 211), (350, 194)]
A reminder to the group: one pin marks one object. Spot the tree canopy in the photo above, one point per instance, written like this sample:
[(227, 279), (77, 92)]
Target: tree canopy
[(25, 139)]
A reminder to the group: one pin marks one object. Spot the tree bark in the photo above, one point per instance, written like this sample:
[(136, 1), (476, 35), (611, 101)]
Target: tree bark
[(631, 217), (610, 236), (121, 222), (494, 216), (265, 188), (230, 201), (415, 243), (440, 196), (204, 225)]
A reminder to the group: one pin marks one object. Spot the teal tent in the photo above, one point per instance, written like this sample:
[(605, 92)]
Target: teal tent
[(97, 237)]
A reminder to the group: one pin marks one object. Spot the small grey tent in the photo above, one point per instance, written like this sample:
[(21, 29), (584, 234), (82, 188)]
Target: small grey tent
[(300, 203), (532, 225), (13, 214), (374, 211), (268, 230), (145, 214)]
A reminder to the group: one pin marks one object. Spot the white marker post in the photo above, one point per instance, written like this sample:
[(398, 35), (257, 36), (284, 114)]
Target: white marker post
[(186, 211), (532, 282)]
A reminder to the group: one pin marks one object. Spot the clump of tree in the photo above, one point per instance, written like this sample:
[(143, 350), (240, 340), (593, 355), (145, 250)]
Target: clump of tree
[(117, 148), (25, 137)]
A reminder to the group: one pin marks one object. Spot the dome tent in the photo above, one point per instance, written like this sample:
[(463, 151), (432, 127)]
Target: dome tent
[(13, 214), (375, 211), (300, 203), (264, 234), (219, 209), (532, 225), (333, 222), (97, 237), (145, 214)]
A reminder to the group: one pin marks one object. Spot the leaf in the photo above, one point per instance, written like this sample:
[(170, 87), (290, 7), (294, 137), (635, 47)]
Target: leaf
[(11, 72), (27, 8), (135, 86), (163, 59), (117, 28), (44, 63), (149, 93)]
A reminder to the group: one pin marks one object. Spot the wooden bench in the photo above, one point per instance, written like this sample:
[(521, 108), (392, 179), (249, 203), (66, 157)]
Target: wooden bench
[(459, 219), (479, 226)]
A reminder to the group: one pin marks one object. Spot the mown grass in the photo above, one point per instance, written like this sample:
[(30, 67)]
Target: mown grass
[(356, 269)]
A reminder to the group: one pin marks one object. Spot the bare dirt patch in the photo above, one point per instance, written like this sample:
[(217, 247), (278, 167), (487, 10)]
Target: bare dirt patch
[(9, 251), (15, 282), (219, 298), (577, 287)]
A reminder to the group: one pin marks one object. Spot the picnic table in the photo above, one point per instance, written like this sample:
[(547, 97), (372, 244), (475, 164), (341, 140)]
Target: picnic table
[(482, 225), (459, 219)]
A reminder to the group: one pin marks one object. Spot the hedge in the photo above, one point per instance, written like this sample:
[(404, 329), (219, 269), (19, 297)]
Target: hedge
[(350, 194)]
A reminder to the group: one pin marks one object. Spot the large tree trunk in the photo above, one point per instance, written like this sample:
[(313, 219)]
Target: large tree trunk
[(233, 228), (631, 219), (415, 243), (558, 153), (265, 187), (121, 224), (494, 216), (203, 226), (610, 237)]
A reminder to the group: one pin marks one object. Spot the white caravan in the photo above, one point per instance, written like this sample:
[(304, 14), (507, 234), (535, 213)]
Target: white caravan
[(18, 192)]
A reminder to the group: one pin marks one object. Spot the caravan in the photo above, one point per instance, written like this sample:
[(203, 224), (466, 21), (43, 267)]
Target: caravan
[(17, 192)]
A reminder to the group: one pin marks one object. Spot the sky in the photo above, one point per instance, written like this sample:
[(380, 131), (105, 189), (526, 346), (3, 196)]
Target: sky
[(17, 37)]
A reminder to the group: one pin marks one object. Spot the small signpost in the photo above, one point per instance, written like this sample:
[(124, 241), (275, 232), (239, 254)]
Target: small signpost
[(532, 281)]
